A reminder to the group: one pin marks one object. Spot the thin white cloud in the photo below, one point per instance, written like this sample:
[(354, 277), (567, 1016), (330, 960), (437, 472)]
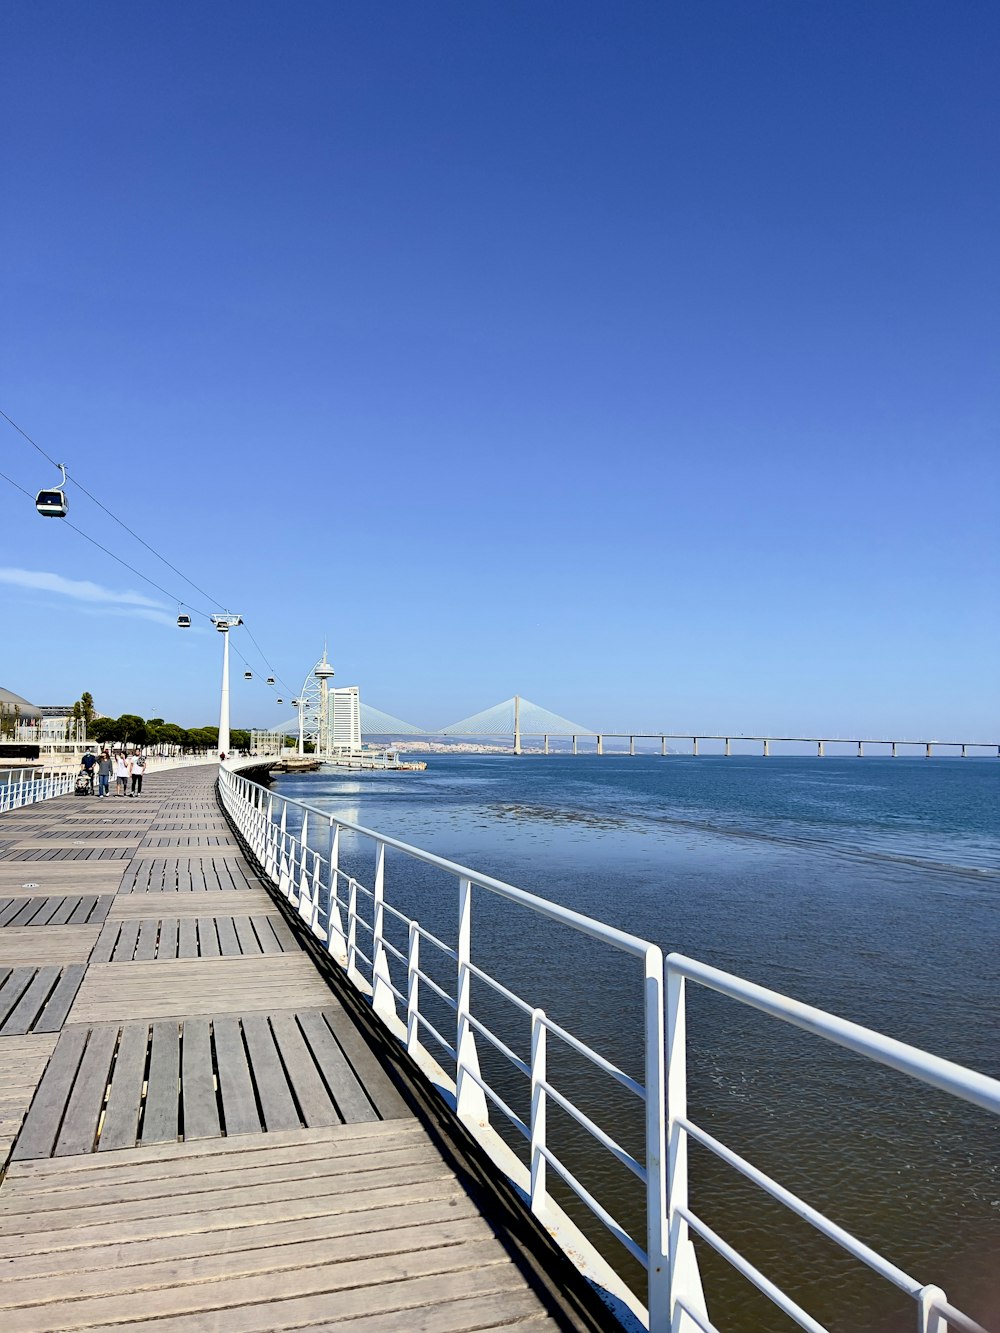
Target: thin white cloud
[(81, 590)]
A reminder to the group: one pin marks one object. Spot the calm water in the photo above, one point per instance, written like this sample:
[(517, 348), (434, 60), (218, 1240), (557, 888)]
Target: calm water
[(870, 887)]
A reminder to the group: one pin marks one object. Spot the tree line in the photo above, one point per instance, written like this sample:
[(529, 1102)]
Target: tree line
[(154, 732)]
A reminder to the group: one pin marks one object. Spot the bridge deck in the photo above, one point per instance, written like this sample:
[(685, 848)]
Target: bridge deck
[(197, 1132)]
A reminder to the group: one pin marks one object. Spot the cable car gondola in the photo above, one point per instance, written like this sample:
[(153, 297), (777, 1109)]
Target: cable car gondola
[(52, 504), (295, 703), (270, 680), (281, 701), (183, 622), (248, 675)]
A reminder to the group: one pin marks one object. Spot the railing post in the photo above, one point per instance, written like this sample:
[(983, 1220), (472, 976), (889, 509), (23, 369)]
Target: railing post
[(383, 1000), (412, 988), (659, 1294), (302, 878), (470, 1100), (352, 931), (929, 1319), (682, 1276), (336, 943), (283, 880), (539, 1074)]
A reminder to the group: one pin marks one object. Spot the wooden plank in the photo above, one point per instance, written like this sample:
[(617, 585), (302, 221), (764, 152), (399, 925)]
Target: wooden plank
[(159, 1273), (283, 935), (310, 1091), (47, 944), (266, 937), (233, 1240), (245, 935), (83, 1110), (160, 1117), (121, 1121), (348, 1094), (145, 949), (31, 1003), (64, 911), (338, 1290), (167, 947), (238, 1103), (106, 941), (201, 1108), (273, 1092), (83, 911), (187, 937), (371, 1074), (16, 983), (38, 1136), (152, 1214), (61, 1000), (16, 907), (229, 945), (127, 940), (175, 1159), (208, 938), (236, 900)]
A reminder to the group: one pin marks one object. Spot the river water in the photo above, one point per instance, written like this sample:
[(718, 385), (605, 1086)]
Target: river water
[(868, 887)]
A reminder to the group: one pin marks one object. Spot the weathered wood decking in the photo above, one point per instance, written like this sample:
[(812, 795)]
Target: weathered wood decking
[(197, 1132)]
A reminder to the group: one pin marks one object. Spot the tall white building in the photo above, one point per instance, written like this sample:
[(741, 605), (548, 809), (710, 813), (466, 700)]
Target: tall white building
[(344, 714)]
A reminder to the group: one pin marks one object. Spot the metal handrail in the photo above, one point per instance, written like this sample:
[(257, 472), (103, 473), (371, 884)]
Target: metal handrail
[(674, 1296)]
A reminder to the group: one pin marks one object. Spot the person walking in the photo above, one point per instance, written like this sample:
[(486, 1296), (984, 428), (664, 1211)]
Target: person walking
[(121, 773), (137, 767), (89, 763), (103, 773)]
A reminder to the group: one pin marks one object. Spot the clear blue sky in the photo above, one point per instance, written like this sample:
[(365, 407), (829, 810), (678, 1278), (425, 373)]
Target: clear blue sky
[(641, 359)]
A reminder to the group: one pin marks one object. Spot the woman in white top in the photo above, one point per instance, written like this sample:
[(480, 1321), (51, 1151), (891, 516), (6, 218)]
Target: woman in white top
[(136, 767), (121, 773)]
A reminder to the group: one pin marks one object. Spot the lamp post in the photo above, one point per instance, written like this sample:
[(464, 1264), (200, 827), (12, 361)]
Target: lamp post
[(224, 624)]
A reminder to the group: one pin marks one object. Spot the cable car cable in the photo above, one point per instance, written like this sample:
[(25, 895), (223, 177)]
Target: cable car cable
[(152, 583)]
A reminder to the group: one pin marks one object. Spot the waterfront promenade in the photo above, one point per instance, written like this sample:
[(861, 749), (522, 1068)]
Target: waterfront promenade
[(198, 1132)]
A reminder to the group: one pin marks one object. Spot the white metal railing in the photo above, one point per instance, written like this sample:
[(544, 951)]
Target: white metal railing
[(301, 856), (24, 786), (38, 782)]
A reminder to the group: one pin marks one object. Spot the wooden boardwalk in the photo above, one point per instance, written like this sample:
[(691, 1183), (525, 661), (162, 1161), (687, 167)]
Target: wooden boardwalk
[(196, 1132)]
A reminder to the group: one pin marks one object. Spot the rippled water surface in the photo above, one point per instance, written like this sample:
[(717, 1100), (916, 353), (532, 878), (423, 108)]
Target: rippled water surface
[(869, 887)]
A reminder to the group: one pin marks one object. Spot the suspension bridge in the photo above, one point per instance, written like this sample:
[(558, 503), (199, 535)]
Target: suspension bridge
[(518, 720)]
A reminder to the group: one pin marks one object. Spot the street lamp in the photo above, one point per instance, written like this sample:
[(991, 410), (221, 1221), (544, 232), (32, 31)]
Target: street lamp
[(224, 624)]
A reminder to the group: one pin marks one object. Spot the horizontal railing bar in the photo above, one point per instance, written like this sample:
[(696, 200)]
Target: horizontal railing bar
[(619, 1074), (433, 939), (957, 1317), (500, 1046), (586, 925), (595, 1131), (752, 1274), (966, 1084), (359, 953), (452, 1004), (704, 1324), (804, 1210), (500, 988), (599, 1211), (442, 1041), (497, 1100)]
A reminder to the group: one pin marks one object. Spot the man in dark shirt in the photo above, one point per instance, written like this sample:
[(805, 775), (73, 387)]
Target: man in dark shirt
[(89, 762)]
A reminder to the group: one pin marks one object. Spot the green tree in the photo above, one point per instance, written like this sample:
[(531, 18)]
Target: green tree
[(239, 739), (104, 730), (171, 734), (87, 709), (131, 729)]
